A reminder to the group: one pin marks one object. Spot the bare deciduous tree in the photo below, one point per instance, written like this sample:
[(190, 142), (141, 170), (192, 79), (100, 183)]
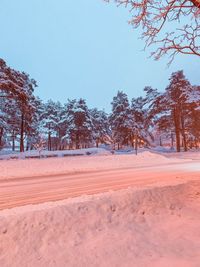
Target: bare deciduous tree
[(157, 18)]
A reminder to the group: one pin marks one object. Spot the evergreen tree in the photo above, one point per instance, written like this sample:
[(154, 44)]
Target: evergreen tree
[(16, 89), (101, 130), (80, 125), (121, 119), (51, 117), (142, 122)]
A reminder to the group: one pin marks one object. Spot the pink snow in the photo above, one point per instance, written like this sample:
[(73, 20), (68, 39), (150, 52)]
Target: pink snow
[(68, 165), (149, 224), (154, 226)]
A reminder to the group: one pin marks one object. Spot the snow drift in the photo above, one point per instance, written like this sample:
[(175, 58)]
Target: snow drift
[(69, 165), (157, 227), (34, 154)]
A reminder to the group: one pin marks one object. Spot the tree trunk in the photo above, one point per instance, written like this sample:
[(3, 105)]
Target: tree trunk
[(136, 144), (28, 143), (49, 141), (132, 140), (196, 143), (172, 141), (78, 143), (183, 134), (176, 116), (22, 134), (1, 137), (160, 140), (13, 140)]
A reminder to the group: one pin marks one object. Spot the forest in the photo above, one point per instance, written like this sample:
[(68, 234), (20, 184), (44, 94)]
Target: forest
[(165, 118)]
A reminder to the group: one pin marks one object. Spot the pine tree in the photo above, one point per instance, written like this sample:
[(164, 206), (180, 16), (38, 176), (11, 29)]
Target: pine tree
[(141, 121), (172, 109), (80, 125), (33, 127), (176, 96), (16, 88), (121, 119), (101, 130), (50, 118)]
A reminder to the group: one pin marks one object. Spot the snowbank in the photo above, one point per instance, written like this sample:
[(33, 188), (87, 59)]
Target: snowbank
[(69, 165), (157, 227), (50, 154)]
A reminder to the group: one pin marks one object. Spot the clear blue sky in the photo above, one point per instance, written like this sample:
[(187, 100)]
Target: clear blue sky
[(83, 49)]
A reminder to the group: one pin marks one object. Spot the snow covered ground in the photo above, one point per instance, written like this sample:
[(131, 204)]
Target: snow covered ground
[(8, 154), (154, 226), (101, 160), (154, 221)]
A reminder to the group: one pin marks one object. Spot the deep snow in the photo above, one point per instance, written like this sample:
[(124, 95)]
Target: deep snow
[(155, 226), (67, 165)]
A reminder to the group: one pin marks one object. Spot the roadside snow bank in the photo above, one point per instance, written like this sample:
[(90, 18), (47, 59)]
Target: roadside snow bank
[(57, 153), (69, 165), (135, 227)]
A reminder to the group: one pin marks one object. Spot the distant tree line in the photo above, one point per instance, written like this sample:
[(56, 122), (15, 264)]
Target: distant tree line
[(172, 115)]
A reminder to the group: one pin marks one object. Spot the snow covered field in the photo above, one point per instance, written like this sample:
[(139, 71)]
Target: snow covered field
[(152, 218)]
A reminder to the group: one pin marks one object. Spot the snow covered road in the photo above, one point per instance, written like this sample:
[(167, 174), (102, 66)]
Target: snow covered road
[(153, 221), (23, 190)]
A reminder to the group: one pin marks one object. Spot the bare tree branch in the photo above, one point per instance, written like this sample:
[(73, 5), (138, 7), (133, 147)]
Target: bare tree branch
[(156, 17)]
